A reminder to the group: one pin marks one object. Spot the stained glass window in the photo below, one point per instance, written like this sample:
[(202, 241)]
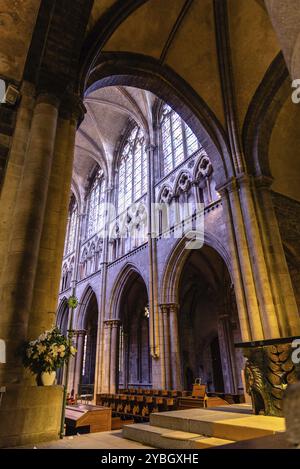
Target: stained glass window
[(178, 141), (71, 229), (132, 182), (95, 204)]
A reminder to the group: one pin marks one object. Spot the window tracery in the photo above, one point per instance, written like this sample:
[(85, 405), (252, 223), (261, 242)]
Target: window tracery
[(132, 170), (178, 142)]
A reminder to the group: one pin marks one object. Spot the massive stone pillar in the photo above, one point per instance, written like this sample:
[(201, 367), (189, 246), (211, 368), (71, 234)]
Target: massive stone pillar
[(32, 262), (20, 268), (240, 293), (270, 305), (15, 168), (48, 273), (269, 317), (251, 322), (280, 279)]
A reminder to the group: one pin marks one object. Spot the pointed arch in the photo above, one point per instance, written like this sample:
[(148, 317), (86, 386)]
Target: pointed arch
[(176, 261), (84, 301), (62, 314), (262, 114), (129, 273), (145, 72)]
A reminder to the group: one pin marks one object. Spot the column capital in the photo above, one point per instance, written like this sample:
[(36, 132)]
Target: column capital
[(72, 107), (230, 185), (263, 182), (244, 180), (79, 333), (150, 147), (167, 308), (109, 323), (45, 97)]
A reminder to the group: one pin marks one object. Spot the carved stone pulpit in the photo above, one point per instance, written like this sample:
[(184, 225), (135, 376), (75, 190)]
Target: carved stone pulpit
[(269, 370)]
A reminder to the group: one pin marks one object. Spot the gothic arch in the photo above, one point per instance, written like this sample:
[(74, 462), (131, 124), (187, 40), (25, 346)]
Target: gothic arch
[(129, 271), (83, 306), (176, 261), (261, 116), (76, 192), (63, 306), (188, 181), (144, 72)]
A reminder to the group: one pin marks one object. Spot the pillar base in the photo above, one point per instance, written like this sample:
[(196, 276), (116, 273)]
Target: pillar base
[(30, 415), (268, 372)]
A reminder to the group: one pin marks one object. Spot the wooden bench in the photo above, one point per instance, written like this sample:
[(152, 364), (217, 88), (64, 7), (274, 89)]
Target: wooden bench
[(87, 419)]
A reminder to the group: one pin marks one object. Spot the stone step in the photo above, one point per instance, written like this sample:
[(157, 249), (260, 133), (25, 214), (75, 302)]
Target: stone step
[(248, 428), (219, 424), (159, 437)]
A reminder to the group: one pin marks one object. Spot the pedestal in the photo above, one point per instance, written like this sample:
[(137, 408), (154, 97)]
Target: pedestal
[(30, 415), (269, 370)]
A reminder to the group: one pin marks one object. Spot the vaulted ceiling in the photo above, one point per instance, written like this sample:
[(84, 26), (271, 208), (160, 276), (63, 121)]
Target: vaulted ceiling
[(109, 111), (181, 35)]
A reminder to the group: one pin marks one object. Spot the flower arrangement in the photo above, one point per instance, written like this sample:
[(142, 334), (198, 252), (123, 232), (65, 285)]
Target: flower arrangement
[(48, 352)]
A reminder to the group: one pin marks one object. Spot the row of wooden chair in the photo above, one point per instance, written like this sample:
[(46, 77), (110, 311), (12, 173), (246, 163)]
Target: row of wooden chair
[(137, 406), (155, 392)]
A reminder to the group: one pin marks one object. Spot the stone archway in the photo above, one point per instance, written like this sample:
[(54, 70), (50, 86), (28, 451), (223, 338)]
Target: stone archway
[(208, 324), (83, 368), (134, 70), (203, 323), (134, 368)]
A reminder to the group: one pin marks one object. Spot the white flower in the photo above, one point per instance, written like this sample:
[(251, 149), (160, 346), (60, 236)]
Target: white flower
[(41, 348)]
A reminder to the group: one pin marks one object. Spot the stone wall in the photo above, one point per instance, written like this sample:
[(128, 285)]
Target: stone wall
[(7, 124)]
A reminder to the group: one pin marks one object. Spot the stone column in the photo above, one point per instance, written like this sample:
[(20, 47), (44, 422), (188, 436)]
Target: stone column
[(171, 349), (20, 269), (254, 317), (153, 282), (261, 278), (227, 356), (174, 348), (282, 289), (80, 338), (236, 268), (45, 296), (107, 332), (249, 315), (166, 346), (14, 168), (100, 358), (114, 355)]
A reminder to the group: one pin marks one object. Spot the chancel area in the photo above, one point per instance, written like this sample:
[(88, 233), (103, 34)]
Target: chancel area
[(149, 223)]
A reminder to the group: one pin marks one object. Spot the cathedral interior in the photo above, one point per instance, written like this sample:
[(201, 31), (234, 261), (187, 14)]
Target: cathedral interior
[(150, 213)]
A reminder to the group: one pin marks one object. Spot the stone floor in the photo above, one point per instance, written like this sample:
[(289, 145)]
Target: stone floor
[(103, 440), (187, 429)]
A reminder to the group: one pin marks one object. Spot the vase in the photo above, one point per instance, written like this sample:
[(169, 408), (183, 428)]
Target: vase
[(48, 378)]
